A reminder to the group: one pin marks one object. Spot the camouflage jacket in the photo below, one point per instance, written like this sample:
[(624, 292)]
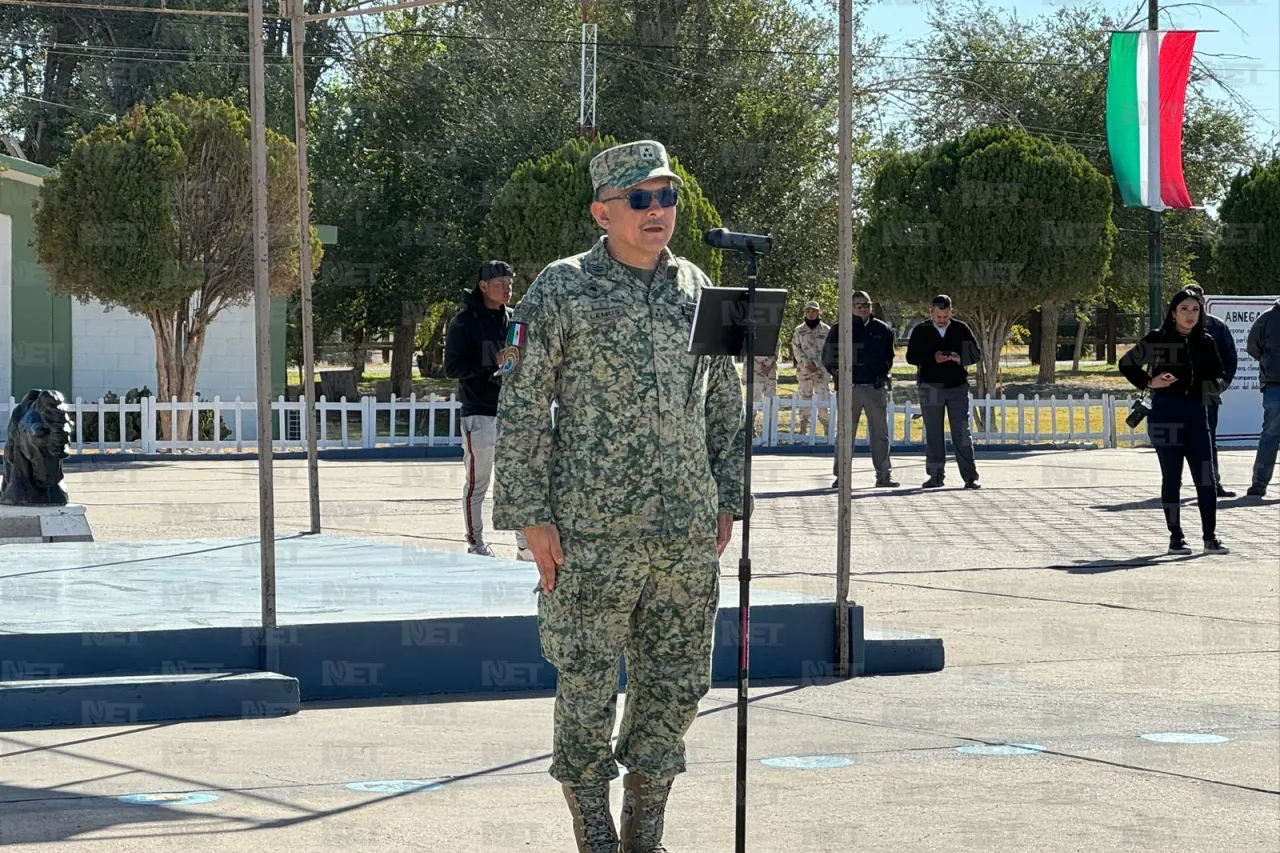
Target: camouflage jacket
[(645, 439), (807, 344)]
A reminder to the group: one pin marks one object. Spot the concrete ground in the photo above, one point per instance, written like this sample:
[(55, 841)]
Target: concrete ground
[(1066, 627)]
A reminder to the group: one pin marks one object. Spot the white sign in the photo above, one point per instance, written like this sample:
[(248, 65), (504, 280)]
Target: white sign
[(1240, 417)]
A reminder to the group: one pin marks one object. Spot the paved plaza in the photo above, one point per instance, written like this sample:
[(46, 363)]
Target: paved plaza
[(1143, 690)]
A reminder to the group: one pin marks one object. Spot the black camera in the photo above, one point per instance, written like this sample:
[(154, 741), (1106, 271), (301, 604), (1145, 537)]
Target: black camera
[(1137, 413)]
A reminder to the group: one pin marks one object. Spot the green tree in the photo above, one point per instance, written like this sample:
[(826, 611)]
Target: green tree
[(64, 69), (154, 214), (543, 213), (745, 93), (410, 148), (1246, 259), (1047, 75), (998, 219)]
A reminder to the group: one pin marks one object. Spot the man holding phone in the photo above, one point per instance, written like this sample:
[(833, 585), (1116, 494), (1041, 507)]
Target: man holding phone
[(942, 349)]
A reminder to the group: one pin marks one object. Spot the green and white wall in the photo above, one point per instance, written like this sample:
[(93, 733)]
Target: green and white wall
[(83, 350), (35, 325)]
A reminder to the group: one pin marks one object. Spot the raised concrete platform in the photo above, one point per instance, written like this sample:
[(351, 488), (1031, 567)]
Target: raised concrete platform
[(130, 700), (356, 619), (25, 525)]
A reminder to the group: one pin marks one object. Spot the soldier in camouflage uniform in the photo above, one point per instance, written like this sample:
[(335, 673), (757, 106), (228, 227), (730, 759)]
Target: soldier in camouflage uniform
[(765, 384), (627, 497), (807, 343)]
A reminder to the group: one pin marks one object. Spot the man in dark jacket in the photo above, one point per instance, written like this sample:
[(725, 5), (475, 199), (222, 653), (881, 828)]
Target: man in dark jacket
[(1226, 345), (942, 349), (1264, 347), (474, 348), (872, 361)]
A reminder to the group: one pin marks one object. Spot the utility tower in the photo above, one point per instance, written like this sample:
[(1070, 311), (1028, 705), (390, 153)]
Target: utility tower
[(587, 93)]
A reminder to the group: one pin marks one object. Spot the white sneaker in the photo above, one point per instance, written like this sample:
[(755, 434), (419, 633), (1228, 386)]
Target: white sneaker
[(524, 555), (481, 550)]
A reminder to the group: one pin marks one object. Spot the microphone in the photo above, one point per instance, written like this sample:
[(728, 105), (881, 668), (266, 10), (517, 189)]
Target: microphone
[(754, 244)]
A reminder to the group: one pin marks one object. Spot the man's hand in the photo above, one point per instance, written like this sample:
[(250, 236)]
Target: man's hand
[(544, 542), (724, 531), (1164, 380), (940, 357)]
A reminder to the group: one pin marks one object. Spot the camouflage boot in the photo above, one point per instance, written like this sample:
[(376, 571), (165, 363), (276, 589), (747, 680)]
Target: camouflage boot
[(592, 821), (644, 806)]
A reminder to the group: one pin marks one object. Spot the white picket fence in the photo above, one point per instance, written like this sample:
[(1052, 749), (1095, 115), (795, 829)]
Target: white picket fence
[(994, 421), (434, 421)]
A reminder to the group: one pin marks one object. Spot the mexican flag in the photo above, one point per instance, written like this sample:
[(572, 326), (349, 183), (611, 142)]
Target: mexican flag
[(1146, 93)]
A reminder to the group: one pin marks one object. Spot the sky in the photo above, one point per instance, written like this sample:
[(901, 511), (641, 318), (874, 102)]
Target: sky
[(1250, 46)]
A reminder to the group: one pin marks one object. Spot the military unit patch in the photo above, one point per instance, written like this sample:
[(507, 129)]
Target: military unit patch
[(510, 358), (517, 336)]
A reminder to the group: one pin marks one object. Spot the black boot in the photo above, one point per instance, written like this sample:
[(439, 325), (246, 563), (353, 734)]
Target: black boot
[(593, 827), (1173, 518), (644, 806)]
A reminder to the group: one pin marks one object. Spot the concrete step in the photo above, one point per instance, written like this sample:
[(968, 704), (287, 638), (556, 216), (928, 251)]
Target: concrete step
[(892, 652), (132, 699)]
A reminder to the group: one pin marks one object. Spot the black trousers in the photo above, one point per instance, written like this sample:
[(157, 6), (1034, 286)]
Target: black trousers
[(1213, 439), (1178, 427), (936, 403)]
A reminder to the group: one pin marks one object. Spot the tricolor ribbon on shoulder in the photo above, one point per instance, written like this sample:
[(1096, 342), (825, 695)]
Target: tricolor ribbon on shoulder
[(517, 334)]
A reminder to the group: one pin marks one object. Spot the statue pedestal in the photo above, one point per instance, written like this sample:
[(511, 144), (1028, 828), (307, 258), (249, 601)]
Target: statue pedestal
[(37, 524)]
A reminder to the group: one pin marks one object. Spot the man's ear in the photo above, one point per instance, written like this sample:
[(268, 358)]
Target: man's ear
[(600, 213)]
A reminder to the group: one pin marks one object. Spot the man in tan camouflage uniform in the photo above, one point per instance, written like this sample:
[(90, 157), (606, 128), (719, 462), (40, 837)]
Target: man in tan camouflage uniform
[(627, 499), (807, 343), (765, 384)]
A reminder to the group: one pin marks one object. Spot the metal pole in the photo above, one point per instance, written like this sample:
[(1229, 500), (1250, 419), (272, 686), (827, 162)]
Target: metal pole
[(304, 261), (845, 427), (582, 86), (262, 314), (1155, 260), (744, 565)]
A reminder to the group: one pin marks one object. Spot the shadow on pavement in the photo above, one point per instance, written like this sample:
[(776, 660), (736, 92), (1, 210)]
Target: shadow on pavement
[(1097, 567), (1154, 503), (25, 815), (855, 493)]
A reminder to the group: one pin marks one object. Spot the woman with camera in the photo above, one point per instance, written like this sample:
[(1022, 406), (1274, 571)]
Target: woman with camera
[(1184, 371)]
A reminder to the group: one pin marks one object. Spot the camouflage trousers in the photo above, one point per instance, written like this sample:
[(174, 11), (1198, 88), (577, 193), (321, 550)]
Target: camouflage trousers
[(653, 600), (813, 385)]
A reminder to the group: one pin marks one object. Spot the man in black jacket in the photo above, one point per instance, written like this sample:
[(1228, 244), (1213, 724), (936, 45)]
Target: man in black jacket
[(474, 348), (872, 361), (942, 349), (1226, 345), (1263, 346)]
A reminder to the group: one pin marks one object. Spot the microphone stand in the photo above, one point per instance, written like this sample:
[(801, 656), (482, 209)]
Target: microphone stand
[(744, 563)]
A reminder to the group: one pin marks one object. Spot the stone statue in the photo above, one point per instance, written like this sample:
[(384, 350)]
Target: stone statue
[(39, 432)]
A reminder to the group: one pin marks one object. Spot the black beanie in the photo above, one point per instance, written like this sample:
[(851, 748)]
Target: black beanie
[(495, 269)]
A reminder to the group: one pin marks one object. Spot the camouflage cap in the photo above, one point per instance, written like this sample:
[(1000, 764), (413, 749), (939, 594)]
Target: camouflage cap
[(624, 166)]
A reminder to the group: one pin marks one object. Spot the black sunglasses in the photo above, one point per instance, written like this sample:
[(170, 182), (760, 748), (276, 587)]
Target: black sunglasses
[(642, 199)]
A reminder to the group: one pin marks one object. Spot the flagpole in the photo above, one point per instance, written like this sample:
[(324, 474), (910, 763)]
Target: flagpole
[(1155, 259)]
